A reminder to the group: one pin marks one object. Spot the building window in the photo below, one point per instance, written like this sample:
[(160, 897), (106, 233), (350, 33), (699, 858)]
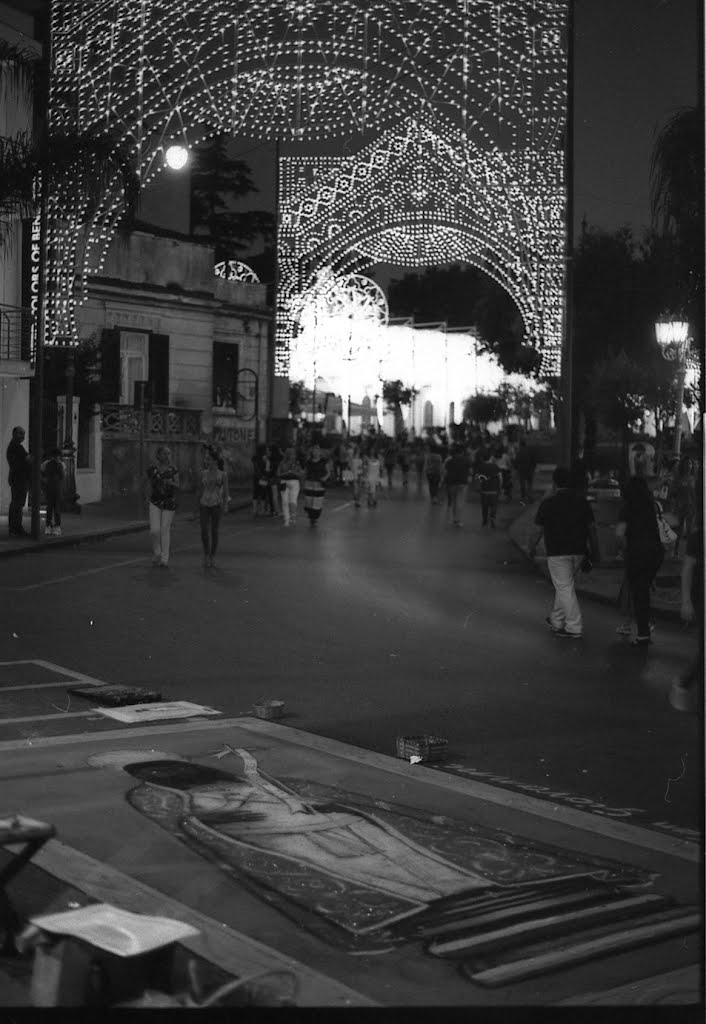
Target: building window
[(134, 363), (225, 374)]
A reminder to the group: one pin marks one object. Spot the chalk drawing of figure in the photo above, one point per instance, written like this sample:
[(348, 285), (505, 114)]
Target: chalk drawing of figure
[(254, 811)]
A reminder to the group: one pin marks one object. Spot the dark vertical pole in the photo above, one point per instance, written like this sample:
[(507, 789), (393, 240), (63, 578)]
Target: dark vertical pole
[(567, 369), (275, 301), (41, 125), (38, 382)]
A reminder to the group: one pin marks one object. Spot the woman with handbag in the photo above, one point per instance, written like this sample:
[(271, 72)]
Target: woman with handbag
[(644, 552)]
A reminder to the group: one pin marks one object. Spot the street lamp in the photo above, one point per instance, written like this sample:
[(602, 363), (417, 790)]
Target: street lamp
[(673, 339)]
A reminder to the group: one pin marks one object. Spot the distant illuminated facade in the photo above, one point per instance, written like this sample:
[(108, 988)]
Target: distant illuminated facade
[(450, 115)]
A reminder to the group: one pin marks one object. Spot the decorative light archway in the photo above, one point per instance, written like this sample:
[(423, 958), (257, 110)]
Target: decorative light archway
[(235, 270), (484, 81)]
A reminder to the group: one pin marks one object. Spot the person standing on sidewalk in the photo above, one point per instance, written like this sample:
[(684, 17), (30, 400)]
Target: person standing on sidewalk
[(644, 552), (52, 478), (163, 479), (566, 520), (19, 480), (213, 501), (290, 474)]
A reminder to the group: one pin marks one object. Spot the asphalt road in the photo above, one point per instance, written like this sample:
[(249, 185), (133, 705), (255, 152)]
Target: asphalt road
[(377, 623)]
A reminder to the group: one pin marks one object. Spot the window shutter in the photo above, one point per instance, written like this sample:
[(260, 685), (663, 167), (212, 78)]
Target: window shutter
[(110, 365), (158, 372)]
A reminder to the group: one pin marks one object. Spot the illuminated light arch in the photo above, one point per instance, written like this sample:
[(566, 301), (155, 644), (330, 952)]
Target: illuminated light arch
[(340, 334), (498, 211), (486, 77), (235, 270)]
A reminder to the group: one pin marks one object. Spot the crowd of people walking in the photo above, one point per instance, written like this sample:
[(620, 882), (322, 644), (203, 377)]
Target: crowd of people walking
[(373, 466)]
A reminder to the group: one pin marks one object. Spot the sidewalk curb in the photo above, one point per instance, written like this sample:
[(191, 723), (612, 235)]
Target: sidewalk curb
[(73, 540)]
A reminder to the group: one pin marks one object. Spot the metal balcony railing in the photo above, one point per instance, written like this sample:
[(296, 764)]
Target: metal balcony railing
[(15, 332)]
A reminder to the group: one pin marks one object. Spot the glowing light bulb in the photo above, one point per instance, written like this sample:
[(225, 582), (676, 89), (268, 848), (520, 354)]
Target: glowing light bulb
[(176, 157)]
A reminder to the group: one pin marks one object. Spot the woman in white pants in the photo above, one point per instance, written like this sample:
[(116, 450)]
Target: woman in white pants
[(163, 478), (289, 474)]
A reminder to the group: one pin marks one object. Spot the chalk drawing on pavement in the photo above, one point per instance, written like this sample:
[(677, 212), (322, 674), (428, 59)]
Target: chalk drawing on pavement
[(366, 876)]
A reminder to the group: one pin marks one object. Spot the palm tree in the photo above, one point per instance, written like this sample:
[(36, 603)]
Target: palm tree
[(75, 165), (676, 177)]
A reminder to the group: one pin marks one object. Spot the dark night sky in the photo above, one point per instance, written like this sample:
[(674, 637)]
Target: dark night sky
[(636, 63)]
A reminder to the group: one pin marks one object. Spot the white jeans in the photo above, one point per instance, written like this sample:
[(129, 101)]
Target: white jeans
[(290, 496), (566, 613), (160, 527)]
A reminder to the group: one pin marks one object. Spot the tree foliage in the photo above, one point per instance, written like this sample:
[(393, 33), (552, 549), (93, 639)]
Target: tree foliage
[(484, 409), (395, 395), (465, 296), (217, 183)]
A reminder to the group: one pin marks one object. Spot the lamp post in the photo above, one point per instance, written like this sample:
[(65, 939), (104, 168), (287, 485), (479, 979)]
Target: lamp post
[(673, 339)]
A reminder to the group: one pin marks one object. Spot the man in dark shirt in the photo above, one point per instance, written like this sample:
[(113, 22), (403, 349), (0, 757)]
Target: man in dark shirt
[(457, 469), (19, 479), (488, 477), (566, 519)]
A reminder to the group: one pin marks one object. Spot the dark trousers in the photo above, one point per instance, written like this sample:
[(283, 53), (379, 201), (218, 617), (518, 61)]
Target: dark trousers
[(53, 506), (489, 507), (18, 497), (433, 482), (640, 582), (210, 516), (526, 485)]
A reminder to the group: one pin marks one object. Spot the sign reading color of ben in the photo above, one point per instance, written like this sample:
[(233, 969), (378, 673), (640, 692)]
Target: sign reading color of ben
[(362, 880)]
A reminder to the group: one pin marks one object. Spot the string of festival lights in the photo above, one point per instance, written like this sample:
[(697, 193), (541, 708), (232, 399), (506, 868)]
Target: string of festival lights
[(480, 81)]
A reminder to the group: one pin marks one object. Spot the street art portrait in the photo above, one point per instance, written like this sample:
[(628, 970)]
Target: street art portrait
[(368, 877)]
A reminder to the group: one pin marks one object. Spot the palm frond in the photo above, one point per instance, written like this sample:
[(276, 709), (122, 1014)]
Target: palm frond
[(21, 69), (676, 169)]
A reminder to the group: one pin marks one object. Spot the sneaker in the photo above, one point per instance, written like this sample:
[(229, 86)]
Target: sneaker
[(48, 531), (554, 629), (624, 630), (565, 635), (57, 531), (640, 641)]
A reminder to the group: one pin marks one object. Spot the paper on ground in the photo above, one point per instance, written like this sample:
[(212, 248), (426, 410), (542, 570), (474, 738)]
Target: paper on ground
[(114, 930), (153, 712)]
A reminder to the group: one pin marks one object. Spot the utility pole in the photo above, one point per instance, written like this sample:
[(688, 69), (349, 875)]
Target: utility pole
[(41, 126), (567, 368)]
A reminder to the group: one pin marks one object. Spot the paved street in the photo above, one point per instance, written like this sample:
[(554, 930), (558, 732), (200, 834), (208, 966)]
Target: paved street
[(377, 623)]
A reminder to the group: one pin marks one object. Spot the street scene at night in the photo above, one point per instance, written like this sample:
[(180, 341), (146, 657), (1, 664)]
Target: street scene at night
[(351, 530)]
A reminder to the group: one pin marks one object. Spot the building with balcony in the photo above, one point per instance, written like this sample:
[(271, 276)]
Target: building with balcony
[(183, 358)]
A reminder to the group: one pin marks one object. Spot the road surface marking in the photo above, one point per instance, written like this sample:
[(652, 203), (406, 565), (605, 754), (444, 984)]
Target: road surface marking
[(77, 575), (104, 568), (31, 686), (46, 718)]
